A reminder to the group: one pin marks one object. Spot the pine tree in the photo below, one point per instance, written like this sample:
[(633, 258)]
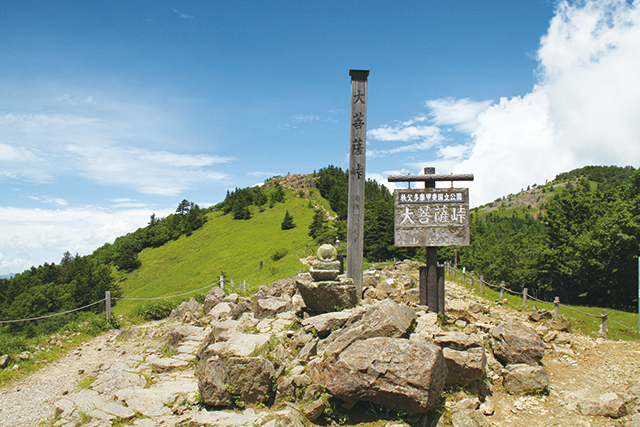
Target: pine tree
[(287, 223)]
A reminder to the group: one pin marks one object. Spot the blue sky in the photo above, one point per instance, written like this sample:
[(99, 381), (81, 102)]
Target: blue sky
[(112, 111)]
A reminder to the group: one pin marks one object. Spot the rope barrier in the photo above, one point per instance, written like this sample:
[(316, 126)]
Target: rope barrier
[(598, 316), (166, 297), (53, 315), (103, 300)]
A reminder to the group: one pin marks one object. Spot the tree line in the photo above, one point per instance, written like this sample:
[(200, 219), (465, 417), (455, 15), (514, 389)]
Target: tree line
[(81, 280), (583, 246)]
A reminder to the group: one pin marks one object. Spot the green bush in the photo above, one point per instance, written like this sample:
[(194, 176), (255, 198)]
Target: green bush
[(155, 310)]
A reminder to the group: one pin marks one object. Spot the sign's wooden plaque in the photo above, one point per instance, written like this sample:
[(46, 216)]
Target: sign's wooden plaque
[(431, 217)]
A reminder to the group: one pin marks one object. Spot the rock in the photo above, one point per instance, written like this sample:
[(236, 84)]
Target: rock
[(214, 296), (394, 372), (386, 319), (487, 407), (426, 326), (221, 381), (464, 367), (477, 308), (285, 288), (288, 417), (323, 297), (562, 324), (271, 306), (187, 311), (611, 405), (515, 343), (313, 410), (222, 310), (161, 364), (324, 324), (634, 422), (238, 344), (467, 419), (309, 350), (457, 340), (523, 378), (539, 315), (124, 335), (4, 361)]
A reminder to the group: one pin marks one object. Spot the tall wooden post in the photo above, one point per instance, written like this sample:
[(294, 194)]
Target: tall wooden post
[(357, 156)]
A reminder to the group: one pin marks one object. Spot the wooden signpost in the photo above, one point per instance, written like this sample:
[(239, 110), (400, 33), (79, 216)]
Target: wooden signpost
[(431, 217), (357, 156)]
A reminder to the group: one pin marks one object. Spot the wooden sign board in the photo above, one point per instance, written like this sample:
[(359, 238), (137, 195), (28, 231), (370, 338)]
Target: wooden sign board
[(431, 217)]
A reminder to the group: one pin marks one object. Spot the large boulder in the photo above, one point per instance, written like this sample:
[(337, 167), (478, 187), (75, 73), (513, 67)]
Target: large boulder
[(386, 319), (395, 372), (464, 367), (323, 297), (514, 342), (223, 381), (465, 357), (522, 378)]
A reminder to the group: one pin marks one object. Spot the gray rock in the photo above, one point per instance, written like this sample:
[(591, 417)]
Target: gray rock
[(464, 367), (514, 342), (187, 311), (4, 361), (220, 381), (539, 315), (522, 378), (323, 297), (467, 419), (271, 306), (611, 405), (214, 296), (394, 372), (238, 344), (325, 323), (457, 340), (386, 319)]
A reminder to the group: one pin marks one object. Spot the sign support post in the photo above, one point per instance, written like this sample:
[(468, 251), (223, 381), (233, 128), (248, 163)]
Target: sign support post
[(357, 156)]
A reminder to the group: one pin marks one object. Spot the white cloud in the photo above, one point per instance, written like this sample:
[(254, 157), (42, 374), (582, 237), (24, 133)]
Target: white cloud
[(149, 172), (35, 236), (460, 113), (583, 111), (182, 15)]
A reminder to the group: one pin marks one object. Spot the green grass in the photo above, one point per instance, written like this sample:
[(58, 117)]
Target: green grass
[(580, 322), (235, 247)]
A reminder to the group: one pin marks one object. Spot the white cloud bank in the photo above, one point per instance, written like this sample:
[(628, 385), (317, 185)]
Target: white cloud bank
[(29, 236), (583, 111)]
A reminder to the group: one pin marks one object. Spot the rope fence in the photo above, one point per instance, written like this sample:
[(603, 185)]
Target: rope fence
[(525, 295), (107, 300)]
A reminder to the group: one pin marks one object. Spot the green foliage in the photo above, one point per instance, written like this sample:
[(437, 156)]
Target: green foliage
[(287, 222), (279, 254), (583, 247), (155, 310)]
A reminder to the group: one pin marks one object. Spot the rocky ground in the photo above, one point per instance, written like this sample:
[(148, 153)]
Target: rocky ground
[(146, 375)]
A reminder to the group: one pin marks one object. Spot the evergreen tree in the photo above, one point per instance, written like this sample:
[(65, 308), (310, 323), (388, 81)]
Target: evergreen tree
[(318, 224), (287, 223)]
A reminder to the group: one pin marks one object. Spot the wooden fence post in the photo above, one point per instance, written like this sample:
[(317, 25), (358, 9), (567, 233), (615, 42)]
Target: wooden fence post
[(481, 284), (604, 323), (107, 303), (471, 278), (501, 290), (524, 297), (464, 273), (556, 308), (222, 281)]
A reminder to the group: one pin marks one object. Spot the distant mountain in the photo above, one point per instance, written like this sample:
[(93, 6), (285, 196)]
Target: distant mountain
[(7, 276)]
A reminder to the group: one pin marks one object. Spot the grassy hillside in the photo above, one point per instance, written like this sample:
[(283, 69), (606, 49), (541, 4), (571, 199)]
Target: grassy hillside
[(226, 246)]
